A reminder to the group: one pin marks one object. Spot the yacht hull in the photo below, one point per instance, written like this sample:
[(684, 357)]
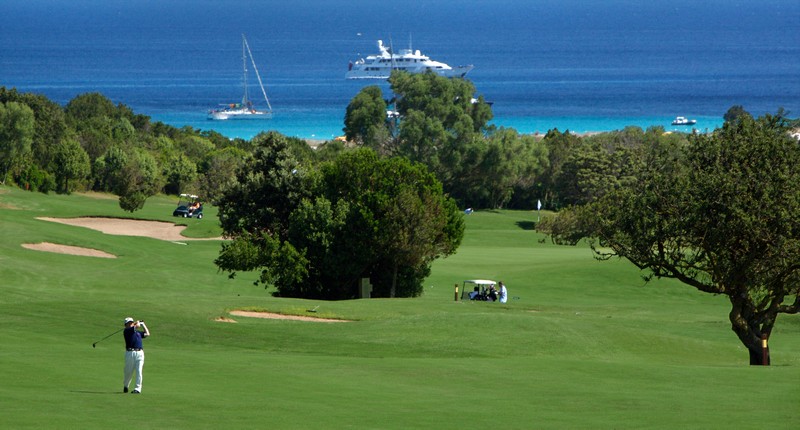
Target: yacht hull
[(456, 72)]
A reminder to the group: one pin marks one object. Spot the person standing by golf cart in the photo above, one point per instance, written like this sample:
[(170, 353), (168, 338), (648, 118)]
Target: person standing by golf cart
[(503, 296), (134, 353)]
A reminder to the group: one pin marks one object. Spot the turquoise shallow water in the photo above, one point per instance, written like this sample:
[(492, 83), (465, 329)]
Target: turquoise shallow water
[(319, 125)]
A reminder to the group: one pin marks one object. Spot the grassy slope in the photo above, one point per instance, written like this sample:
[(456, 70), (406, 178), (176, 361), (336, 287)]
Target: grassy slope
[(581, 344)]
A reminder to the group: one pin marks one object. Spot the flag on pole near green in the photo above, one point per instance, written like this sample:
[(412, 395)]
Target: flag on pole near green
[(538, 210)]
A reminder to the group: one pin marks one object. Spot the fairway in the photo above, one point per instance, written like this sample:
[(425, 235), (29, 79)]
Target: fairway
[(581, 344)]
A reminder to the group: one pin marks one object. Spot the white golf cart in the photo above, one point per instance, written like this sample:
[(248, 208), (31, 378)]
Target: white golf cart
[(479, 289)]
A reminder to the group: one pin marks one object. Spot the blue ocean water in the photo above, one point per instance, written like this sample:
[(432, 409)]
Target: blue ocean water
[(584, 65)]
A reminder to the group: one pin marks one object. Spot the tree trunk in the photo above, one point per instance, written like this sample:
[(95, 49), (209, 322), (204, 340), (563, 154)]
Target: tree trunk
[(759, 356), (393, 290), (753, 332)]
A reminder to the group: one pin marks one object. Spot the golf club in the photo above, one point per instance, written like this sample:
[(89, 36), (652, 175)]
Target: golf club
[(112, 334)]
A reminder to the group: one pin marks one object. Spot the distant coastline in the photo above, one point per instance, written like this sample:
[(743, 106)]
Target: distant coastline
[(326, 126)]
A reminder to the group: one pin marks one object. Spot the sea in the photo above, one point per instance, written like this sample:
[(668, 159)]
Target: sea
[(583, 66)]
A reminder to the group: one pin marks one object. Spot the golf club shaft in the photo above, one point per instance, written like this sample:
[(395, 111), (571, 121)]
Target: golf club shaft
[(112, 334)]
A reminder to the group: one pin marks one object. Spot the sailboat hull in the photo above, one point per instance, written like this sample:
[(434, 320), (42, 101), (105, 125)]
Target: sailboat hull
[(238, 114)]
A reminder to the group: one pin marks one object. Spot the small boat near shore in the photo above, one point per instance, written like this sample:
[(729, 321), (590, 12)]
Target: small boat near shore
[(683, 121), (246, 109), (380, 66)]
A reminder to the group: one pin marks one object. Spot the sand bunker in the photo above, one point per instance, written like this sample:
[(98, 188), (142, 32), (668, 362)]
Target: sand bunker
[(274, 316), (67, 249), (128, 227)]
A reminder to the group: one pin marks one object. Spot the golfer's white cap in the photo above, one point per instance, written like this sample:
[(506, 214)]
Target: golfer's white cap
[(128, 320)]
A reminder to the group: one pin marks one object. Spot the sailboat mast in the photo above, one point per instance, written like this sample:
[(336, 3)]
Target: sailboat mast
[(245, 97), (253, 61)]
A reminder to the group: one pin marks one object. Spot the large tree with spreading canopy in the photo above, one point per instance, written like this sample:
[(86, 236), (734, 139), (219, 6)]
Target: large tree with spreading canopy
[(315, 231), (721, 214)]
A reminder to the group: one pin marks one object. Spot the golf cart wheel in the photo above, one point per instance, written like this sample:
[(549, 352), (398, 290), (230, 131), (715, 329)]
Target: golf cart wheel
[(200, 216), (186, 215)]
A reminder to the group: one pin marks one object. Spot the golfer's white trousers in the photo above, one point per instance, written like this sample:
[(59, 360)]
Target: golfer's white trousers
[(134, 360)]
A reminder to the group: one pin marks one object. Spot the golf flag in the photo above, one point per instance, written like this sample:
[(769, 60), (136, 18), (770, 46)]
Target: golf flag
[(538, 205)]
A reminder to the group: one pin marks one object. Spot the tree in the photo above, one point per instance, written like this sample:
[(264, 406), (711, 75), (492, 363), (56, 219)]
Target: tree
[(734, 113), (218, 172), (71, 163), (314, 232), (106, 168), (89, 106), (399, 217), (443, 126), (50, 124), (365, 118), (440, 122), (721, 214), (267, 190), (16, 135), (178, 172), (132, 175), (509, 161)]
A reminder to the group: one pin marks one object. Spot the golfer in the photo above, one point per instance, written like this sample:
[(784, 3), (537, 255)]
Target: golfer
[(503, 293), (134, 353)]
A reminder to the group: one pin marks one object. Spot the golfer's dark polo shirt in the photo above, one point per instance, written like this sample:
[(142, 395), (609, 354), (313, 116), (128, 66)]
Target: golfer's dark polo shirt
[(133, 338)]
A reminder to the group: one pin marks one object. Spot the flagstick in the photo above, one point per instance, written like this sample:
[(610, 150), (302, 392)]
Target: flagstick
[(538, 210)]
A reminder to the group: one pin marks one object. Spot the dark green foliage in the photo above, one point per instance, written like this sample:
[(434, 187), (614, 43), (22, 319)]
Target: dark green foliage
[(179, 171), (721, 214), (71, 164), (218, 172), (89, 106), (735, 113), (268, 189), (570, 226), (16, 136), (50, 123), (448, 100), (35, 179), (442, 125), (583, 170), (315, 232), (126, 152), (133, 176), (329, 151), (365, 119)]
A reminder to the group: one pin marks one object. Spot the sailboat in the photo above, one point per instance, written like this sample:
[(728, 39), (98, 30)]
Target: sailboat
[(246, 109)]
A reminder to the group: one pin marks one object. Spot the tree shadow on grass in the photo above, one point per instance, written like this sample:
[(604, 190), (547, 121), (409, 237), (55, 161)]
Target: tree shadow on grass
[(526, 225)]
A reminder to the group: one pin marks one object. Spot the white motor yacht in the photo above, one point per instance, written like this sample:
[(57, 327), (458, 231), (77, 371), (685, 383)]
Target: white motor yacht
[(683, 121), (380, 66)]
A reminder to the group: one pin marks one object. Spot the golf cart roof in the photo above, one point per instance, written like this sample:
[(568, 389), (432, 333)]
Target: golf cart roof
[(191, 196), (481, 282)]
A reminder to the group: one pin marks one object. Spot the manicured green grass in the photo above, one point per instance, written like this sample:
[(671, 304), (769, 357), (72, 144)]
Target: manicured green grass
[(581, 343)]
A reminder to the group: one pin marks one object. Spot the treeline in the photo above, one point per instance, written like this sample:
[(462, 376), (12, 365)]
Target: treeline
[(93, 144), (440, 123)]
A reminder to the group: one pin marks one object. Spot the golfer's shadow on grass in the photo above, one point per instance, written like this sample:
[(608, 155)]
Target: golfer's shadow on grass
[(95, 392)]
